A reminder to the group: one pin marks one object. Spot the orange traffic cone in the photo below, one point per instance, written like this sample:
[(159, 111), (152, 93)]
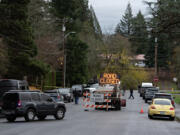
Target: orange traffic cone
[(141, 110)]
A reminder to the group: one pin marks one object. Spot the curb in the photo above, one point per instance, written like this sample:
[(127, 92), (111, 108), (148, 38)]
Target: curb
[(178, 118)]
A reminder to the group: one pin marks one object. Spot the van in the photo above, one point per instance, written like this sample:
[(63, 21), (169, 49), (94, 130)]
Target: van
[(11, 84), (144, 86)]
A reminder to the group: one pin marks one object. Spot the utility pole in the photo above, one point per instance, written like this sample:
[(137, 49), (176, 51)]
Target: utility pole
[(64, 53), (156, 61), (64, 49)]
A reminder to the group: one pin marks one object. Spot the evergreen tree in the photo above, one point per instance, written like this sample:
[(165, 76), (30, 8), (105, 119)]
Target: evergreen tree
[(17, 34), (163, 53), (76, 12), (125, 26), (164, 25), (95, 23), (139, 35), (77, 72)]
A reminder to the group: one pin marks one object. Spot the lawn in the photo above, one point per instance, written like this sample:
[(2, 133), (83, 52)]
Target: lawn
[(174, 92), (177, 99)]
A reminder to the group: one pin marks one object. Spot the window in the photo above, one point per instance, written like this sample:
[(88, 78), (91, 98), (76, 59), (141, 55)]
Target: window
[(25, 97), (11, 97), (35, 96), (162, 102), (46, 98)]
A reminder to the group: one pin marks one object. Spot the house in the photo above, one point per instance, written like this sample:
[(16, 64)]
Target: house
[(139, 60)]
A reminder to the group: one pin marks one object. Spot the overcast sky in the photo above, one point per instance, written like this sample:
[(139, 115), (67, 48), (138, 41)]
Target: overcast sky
[(109, 12)]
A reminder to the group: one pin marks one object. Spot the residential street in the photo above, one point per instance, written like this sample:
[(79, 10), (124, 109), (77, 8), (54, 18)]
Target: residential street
[(128, 121)]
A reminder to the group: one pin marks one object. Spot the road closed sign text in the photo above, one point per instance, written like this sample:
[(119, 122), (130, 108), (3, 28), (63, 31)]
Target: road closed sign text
[(109, 79)]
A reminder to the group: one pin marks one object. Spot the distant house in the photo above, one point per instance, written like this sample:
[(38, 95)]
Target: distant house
[(139, 60)]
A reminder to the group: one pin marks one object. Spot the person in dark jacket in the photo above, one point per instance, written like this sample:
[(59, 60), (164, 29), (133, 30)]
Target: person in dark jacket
[(76, 96), (131, 94)]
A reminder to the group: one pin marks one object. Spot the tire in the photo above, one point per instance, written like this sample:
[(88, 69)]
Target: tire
[(59, 114), (30, 115), (10, 118), (145, 100), (172, 118), (118, 108), (150, 117), (41, 117)]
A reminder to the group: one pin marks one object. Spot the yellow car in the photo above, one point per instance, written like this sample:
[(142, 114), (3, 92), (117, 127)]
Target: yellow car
[(161, 107)]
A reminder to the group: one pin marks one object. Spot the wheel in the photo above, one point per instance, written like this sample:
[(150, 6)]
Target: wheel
[(30, 115), (145, 100), (11, 118), (118, 107), (172, 118), (41, 117), (150, 117), (59, 114)]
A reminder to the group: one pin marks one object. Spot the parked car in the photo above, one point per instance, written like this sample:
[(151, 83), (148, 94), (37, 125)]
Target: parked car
[(166, 96), (89, 90), (149, 94), (161, 107), (146, 90), (67, 94), (55, 94), (29, 104), (11, 84)]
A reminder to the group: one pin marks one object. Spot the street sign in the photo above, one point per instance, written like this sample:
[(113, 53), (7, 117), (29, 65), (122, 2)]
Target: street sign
[(97, 98), (109, 79), (156, 79)]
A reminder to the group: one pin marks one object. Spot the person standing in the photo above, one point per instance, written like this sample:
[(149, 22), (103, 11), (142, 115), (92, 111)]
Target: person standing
[(131, 94), (76, 96)]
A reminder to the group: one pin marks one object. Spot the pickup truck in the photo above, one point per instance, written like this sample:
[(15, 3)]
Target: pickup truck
[(149, 94)]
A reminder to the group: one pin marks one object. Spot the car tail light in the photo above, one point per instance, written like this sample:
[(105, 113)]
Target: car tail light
[(171, 108), (172, 102), (19, 103), (153, 107)]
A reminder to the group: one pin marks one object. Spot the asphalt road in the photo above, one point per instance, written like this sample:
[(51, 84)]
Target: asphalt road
[(128, 121)]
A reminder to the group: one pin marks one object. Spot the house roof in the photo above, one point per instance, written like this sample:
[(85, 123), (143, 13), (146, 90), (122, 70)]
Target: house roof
[(140, 57)]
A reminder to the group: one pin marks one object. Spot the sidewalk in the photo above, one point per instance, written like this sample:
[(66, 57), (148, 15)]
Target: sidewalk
[(177, 112)]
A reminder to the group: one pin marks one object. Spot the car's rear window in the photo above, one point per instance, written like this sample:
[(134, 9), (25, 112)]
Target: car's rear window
[(162, 102), (163, 96), (11, 97)]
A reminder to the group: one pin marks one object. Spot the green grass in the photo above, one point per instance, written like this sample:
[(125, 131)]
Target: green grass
[(174, 92), (177, 99), (167, 85)]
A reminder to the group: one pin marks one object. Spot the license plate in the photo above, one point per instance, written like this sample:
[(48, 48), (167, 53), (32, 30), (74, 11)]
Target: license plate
[(8, 112), (162, 112)]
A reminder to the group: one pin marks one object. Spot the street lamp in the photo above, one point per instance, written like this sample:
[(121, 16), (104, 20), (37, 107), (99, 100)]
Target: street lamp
[(156, 51), (64, 53)]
